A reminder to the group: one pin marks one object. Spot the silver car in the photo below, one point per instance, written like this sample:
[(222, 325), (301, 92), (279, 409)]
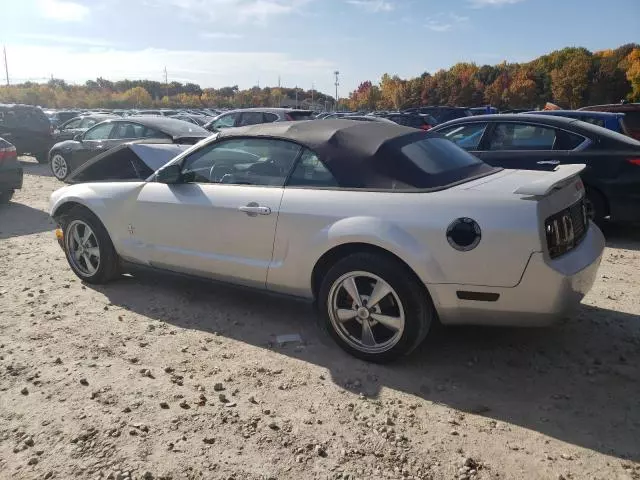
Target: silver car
[(255, 116), (387, 228)]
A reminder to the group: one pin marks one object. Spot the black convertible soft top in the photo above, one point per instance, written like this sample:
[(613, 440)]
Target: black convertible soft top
[(370, 155)]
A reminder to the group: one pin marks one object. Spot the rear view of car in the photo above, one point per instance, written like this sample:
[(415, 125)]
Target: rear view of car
[(28, 129), (10, 171), (413, 120), (631, 115)]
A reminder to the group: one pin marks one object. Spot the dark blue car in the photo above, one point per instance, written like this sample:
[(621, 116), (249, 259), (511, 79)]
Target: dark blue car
[(610, 121)]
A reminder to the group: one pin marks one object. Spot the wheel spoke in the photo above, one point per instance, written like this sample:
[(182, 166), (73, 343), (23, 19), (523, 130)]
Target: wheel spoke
[(380, 290), (86, 236), (394, 323), (76, 236), (367, 335), (344, 314), (352, 289), (93, 251), (90, 268)]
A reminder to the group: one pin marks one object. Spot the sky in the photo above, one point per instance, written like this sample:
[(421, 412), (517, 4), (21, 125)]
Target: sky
[(219, 43)]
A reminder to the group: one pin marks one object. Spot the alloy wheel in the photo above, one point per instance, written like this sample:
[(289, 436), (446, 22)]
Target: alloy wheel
[(82, 246), (366, 312), (59, 166)]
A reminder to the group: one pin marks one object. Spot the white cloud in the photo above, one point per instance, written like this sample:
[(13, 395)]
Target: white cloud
[(62, 11), (208, 69), (444, 22), (221, 35), (373, 6), (234, 11), (67, 40), (493, 3)]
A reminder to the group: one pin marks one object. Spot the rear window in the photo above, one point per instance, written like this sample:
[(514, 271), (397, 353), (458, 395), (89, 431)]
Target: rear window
[(438, 155), (632, 120), (300, 115)]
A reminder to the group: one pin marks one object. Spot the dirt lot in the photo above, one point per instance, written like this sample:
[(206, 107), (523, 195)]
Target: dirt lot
[(157, 376)]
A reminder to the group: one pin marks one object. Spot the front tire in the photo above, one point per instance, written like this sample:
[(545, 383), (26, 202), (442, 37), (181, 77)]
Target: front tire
[(5, 197), (59, 166), (88, 247), (374, 307)]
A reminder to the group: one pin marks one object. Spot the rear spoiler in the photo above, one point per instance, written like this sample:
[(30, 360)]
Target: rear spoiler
[(551, 181)]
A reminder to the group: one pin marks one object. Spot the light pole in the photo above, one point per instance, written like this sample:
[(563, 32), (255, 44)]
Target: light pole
[(312, 89), (336, 73)]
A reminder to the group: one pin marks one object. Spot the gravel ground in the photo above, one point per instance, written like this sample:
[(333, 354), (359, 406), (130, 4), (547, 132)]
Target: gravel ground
[(158, 376)]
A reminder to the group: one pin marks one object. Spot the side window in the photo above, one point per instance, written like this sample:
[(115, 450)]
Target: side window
[(466, 136), (250, 118), (248, 161), (270, 117), (86, 123), (75, 123), (125, 130), (147, 132), (311, 172), (99, 132), (226, 121), (521, 136), (567, 141)]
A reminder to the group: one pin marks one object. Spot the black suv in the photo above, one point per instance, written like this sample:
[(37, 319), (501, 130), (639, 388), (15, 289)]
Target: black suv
[(442, 113), (28, 128)]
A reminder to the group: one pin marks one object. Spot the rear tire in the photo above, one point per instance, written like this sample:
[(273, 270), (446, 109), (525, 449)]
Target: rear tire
[(392, 315), (596, 206), (5, 197), (59, 166), (88, 247)]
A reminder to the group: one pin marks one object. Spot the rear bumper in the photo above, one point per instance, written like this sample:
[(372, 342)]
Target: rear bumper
[(10, 178), (547, 291)]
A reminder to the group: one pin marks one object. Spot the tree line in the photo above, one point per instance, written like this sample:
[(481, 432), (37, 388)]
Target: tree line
[(571, 77)]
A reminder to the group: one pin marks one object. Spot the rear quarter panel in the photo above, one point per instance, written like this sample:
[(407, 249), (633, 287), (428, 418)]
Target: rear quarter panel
[(412, 226)]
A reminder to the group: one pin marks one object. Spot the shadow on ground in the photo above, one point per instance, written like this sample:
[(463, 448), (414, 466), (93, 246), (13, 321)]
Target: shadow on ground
[(622, 235), (577, 381), (32, 167), (17, 219)]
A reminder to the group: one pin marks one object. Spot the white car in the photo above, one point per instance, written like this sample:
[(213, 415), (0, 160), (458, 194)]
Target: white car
[(388, 228)]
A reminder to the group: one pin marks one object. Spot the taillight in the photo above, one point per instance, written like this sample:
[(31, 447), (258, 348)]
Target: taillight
[(426, 126), (6, 153), (566, 229), (635, 161)]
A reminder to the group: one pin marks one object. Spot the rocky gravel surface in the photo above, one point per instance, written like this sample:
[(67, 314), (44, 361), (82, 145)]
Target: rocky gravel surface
[(161, 377)]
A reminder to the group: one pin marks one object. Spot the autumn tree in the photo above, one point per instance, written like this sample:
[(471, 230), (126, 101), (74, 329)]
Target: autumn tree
[(633, 74), (522, 89), (138, 97), (570, 82)]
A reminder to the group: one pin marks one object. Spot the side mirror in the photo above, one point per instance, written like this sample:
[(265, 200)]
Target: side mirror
[(169, 174), (78, 137)]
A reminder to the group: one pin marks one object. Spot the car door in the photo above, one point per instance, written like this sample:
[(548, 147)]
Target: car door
[(521, 145), (69, 130), (219, 220), (93, 142), (249, 118)]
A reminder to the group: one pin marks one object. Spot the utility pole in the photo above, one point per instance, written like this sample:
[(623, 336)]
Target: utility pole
[(336, 73), (313, 87), (296, 96), (166, 82), (6, 65)]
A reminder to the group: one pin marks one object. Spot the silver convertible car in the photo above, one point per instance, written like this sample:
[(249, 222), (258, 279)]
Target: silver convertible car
[(388, 229)]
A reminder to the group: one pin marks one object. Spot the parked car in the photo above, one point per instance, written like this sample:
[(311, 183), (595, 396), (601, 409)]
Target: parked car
[(367, 118), (610, 121), (27, 128), (58, 117), (255, 116), (136, 160), (631, 115), (287, 207), (483, 110), (10, 171), (541, 142), (200, 120), (442, 113), (73, 127), (413, 120), (66, 156)]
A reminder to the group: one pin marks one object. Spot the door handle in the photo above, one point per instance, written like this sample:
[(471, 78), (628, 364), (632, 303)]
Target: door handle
[(548, 162), (253, 209)]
